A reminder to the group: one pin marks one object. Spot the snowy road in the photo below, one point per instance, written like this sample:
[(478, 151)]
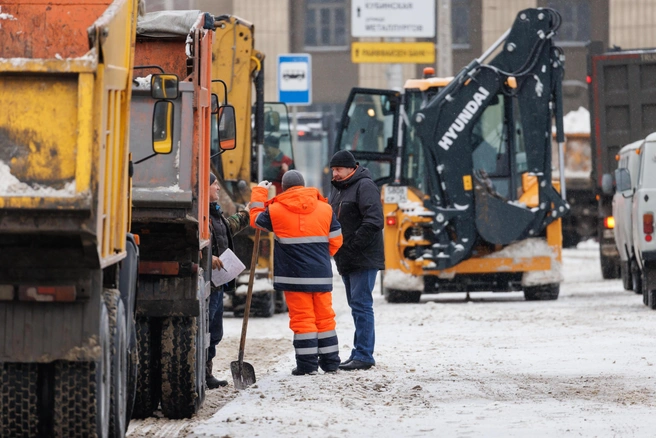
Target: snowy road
[(495, 366)]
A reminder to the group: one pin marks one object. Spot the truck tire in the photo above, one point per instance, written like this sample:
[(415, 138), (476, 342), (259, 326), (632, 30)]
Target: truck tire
[(132, 371), (265, 305), (543, 292), (148, 382), (281, 303), (636, 277), (625, 273), (180, 376), (609, 268), (119, 361), (82, 392), (19, 414), (401, 296)]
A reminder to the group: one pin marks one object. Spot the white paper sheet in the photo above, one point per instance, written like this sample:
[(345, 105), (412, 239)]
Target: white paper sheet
[(232, 267)]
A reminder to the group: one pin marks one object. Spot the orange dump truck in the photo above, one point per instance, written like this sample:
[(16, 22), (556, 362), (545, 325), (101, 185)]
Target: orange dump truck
[(171, 209), (67, 263)]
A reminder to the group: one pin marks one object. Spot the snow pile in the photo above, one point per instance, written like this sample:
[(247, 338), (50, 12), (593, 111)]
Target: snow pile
[(576, 122), (12, 186), (414, 209), (523, 249), (533, 248), (399, 280), (174, 188), (5, 16), (259, 285), (142, 83)]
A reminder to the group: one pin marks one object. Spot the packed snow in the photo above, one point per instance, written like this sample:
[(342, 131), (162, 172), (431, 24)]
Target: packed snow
[(492, 365), (577, 122), (12, 186)]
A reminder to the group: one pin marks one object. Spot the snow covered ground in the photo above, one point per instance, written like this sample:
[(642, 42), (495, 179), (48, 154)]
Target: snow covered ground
[(494, 366)]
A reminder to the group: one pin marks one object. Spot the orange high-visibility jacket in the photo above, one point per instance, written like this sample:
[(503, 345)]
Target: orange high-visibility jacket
[(306, 234)]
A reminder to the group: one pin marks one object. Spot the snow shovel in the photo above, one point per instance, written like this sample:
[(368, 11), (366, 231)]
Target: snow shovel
[(243, 374)]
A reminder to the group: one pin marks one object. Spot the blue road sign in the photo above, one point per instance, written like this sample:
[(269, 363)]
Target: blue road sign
[(295, 79)]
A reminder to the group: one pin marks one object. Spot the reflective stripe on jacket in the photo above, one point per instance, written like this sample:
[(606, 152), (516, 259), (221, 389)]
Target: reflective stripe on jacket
[(306, 234)]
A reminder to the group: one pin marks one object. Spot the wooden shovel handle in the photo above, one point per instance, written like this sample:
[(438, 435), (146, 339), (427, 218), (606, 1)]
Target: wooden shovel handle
[(249, 296)]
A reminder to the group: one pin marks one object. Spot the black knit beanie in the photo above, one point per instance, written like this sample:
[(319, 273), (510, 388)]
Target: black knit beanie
[(343, 159), (212, 178)]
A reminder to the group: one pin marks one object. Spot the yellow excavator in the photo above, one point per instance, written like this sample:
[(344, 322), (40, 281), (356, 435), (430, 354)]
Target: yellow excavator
[(263, 137), (464, 166)]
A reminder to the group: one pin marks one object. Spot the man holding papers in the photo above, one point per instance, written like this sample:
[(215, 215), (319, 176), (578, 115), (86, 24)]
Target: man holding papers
[(222, 231)]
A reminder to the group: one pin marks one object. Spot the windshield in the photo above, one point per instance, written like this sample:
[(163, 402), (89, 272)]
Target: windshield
[(489, 147)]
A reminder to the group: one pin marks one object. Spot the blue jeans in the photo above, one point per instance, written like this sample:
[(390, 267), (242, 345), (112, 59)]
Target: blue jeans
[(216, 321), (359, 295)]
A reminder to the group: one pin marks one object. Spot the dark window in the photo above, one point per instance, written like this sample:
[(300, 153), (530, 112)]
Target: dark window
[(576, 19), (460, 18), (325, 23), (460, 22)]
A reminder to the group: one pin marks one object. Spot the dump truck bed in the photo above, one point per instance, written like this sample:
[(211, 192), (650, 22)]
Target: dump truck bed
[(65, 74)]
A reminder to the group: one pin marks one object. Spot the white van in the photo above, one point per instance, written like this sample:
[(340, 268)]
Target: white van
[(643, 211), (626, 179)]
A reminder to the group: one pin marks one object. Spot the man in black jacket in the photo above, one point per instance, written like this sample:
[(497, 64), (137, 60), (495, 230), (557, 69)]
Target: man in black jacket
[(222, 231), (355, 199)]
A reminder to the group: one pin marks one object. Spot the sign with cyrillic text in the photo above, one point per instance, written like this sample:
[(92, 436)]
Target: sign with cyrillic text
[(393, 19), (397, 53)]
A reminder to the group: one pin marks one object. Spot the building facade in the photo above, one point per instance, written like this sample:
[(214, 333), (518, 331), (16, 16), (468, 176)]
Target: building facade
[(322, 28)]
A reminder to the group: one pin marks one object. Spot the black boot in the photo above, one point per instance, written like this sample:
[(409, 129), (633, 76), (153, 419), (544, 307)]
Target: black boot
[(211, 381)]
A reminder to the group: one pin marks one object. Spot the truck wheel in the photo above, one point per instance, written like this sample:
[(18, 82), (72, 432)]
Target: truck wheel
[(651, 299), (609, 268), (625, 273), (543, 292), (636, 277), (265, 305), (179, 367), (132, 371), (82, 391), (148, 381), (401, 296), (281, 303), (119, 361), (18, 399)]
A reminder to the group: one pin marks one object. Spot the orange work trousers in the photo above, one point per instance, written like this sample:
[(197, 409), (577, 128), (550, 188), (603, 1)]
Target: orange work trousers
[(310, 312)]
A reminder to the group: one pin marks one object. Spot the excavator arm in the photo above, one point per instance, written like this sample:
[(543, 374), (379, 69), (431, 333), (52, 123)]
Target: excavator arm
[(505, 107)]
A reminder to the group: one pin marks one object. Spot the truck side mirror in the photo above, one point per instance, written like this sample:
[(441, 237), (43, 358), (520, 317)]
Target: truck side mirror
[(227, 127), (164, 86), (607, 184), (163, 127)]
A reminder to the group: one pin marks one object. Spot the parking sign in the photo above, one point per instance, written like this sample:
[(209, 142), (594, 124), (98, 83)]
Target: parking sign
[(295, 79)]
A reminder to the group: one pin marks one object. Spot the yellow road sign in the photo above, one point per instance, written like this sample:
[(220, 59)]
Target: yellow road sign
[(406, 53)]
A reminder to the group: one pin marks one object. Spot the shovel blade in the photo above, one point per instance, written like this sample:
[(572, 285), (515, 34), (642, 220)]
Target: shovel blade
[(243, 374)]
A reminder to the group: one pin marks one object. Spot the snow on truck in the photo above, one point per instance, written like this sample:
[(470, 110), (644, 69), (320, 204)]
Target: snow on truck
[(67, 262), (173, 59), (465, 169)]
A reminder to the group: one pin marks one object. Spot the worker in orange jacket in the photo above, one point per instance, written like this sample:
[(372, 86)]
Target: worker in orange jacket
[(306, 234)]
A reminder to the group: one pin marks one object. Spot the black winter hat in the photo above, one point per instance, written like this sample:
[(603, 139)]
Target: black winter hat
[(343, 159), (212, 178), (292, 178)]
